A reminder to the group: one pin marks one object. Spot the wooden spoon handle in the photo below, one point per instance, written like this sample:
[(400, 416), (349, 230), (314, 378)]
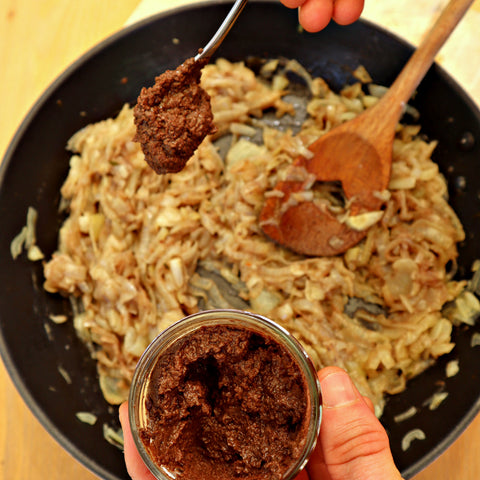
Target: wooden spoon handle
[(423, 57)]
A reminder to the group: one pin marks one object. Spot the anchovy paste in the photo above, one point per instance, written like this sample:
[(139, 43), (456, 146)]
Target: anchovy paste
[(223, 403), (173, 117)]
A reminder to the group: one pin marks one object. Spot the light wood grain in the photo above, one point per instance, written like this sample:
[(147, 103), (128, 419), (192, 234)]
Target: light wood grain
[(38, 40), (412, 20)]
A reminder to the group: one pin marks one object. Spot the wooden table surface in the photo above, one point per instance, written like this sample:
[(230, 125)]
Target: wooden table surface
[(38, 39)]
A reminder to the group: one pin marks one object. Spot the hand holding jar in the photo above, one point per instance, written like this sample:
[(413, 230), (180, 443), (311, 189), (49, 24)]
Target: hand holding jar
[(352, 443), (228, 394)]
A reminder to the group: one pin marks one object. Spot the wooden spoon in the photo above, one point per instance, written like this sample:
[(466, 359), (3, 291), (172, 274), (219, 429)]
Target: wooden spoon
[(357, 153)]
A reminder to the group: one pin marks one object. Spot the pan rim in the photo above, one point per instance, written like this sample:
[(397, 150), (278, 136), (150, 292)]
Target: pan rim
[(70, 70)]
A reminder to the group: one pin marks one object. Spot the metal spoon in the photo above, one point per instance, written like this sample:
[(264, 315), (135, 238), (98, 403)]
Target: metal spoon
[(225, 27)]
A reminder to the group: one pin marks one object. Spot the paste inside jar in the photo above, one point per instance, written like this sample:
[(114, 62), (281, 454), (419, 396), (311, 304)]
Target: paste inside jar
[(224, 403)]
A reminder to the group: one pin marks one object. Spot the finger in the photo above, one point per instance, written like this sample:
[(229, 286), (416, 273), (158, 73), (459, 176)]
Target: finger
[(315, 15), (369, 403), (135, 466), (303, 475), (347, 11), (352, 442), (293, 3), (316, 467)]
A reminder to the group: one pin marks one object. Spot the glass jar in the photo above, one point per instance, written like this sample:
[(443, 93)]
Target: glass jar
[(236, 319)]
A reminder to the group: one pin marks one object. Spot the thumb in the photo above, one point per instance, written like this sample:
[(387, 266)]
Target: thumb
[(353, 444), (134, 463)]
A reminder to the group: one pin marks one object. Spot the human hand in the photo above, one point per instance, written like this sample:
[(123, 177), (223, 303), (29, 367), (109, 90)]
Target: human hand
[(352, 444), (314, 15), (135, 466)]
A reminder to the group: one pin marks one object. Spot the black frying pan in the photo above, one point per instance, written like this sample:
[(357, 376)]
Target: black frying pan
[(95, 88)]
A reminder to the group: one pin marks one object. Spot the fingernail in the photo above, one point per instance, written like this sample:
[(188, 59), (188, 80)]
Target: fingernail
[(337, 390)]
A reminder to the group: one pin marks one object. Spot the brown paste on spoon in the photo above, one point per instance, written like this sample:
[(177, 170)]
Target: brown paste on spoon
[(173, 117), (224, 403)]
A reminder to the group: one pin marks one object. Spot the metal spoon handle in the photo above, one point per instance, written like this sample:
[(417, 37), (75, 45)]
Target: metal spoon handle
[(225, 27)]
